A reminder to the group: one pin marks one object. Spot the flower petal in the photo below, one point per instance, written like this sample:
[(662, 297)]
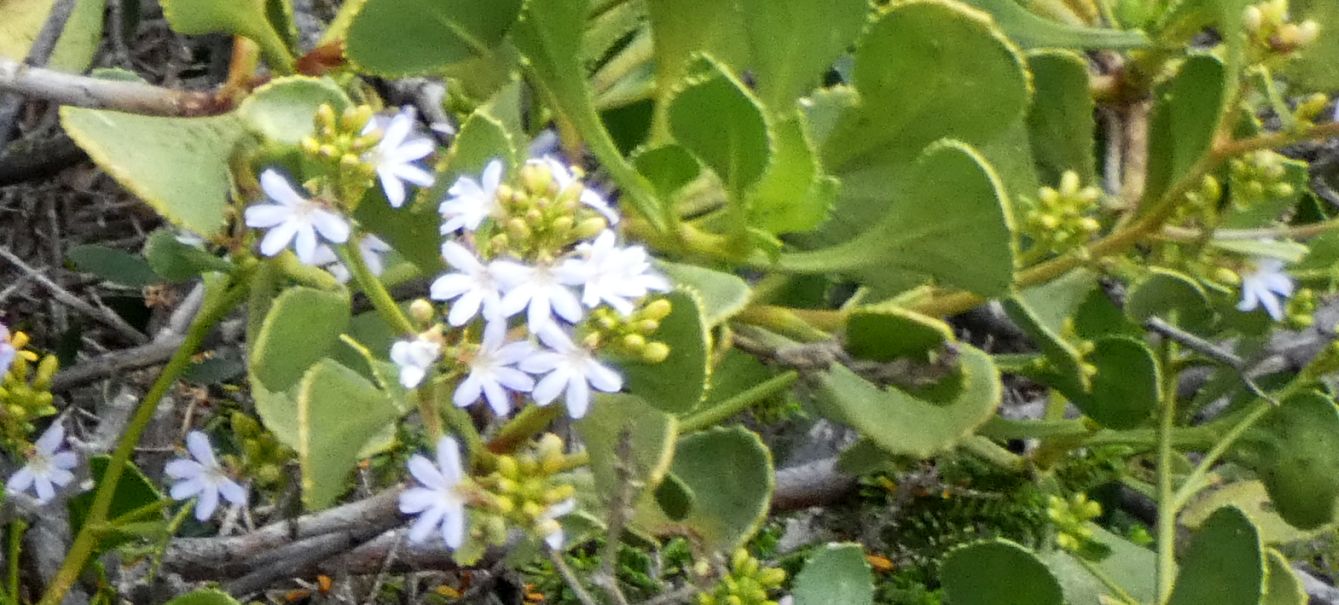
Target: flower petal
[(448, 459), (208, 503), (277, 188), (197, 443), (427, 474)]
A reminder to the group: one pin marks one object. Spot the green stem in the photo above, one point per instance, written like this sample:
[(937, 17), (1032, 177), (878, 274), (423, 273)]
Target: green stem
[(1106, 580), (989, 451), (16, 529), (528, 423), (217, 304), (376, 292), (427, 408), (1195, 479), (138, 514), (738, 403), (161, 549), (1166, 522)]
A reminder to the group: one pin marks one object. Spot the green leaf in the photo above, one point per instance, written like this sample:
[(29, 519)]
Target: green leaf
[(677, 384), (133, 492), (1288, 252), (722, 294), (1131, 566), (668, 168), (1312, 67), (837, 573), (1252, 498), (674, 498), (330, 437), (904, 425), (651, 436), (205, 596), (1183, 122), (794, 195), (1125, 388), (77, 43), (1043, 312), (1223, 565), (401, 37), (177, 165), (1060, 121), (299, 329), (1294, 450), (731, 498), (998, 572), (482, 139), (1171, 296), (113, 265), (549, 37), (793, 42), (735, 143), (284, 110), (178, 262), (1032, 31), (249, 18), (950, 223), (682, 28), (1282, 586), (886, 332), (927, 70)]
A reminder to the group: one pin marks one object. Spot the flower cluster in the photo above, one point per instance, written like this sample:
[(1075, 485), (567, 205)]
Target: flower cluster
[(748, 582), (1270, 28), (1062, 217), (25, 387)]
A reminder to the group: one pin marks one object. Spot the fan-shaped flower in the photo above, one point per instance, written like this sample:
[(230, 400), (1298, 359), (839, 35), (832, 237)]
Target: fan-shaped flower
[(474, 286), (394, 156), (570, 370), (438, 503), (415, 358), (541, 290), (468, 202), (492, 371), (292, 218), (372, 247), (562, 176), (1268, 285), (48, 466), (614, 275), (203, 477)]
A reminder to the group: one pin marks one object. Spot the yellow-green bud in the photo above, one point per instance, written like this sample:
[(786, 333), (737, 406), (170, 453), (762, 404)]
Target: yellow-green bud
[(772, 577), (634, 342), (657, 310), (422, 311), (46, 370), (589, 227), (655, 352)]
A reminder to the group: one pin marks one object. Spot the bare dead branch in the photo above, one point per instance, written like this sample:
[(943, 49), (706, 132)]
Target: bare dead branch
[(118, 95)]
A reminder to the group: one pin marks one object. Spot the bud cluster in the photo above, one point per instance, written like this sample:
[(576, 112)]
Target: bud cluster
[(1257, 176), (1071, 517), (263, 457), (1201, 203), (1061, 218), (748, 582), (1270, 29), (542, 214), (526, 490), (629, 336), (25, 390), (339, 143)]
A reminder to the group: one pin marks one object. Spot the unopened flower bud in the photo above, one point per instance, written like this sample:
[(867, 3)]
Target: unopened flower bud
[(590, 227), (633, 342), (656, 310), (655, 352), (1252, 18)]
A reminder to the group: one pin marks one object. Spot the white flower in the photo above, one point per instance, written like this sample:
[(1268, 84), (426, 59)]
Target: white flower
[(7, 350), (542, 291), (556, 537), (415, 357), (468, 202), (48, 466), (562, 176), (473, 286), (202, 477), (492, 372), (372, 247), (1267, 285), (395, 154), (571, 368), (614, 275), (438, 503), (293, 217)]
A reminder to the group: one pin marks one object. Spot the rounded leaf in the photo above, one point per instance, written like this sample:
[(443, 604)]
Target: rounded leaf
[(998, 572)]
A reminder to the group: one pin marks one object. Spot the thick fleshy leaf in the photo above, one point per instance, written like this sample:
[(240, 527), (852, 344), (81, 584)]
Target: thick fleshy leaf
[(1042, 312), (904, 425), (1131, 566), (736, 142), (678, 383), (176, 261), (729, 472), (1252, 498), (177, 165), (1124, 391), (1170, 296), (1183, 122), (651, 436), (1032, 31), (549, 37), (794, 195), (398, 37), (950, 223), (330, 438), (249, 18), (886, 332), (300, 328), (836, 573), (74, 50), (1294, 450), (722, 294), (284, 110), (117, 266), (668, 168), (1060, 122), (1224, 563), (998, 572), (1282, 586), (682, 28), (793, 42)]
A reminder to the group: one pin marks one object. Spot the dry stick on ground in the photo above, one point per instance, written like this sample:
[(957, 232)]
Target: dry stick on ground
[(119, 95), (607, 578), (103, 314), (38, 54)]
